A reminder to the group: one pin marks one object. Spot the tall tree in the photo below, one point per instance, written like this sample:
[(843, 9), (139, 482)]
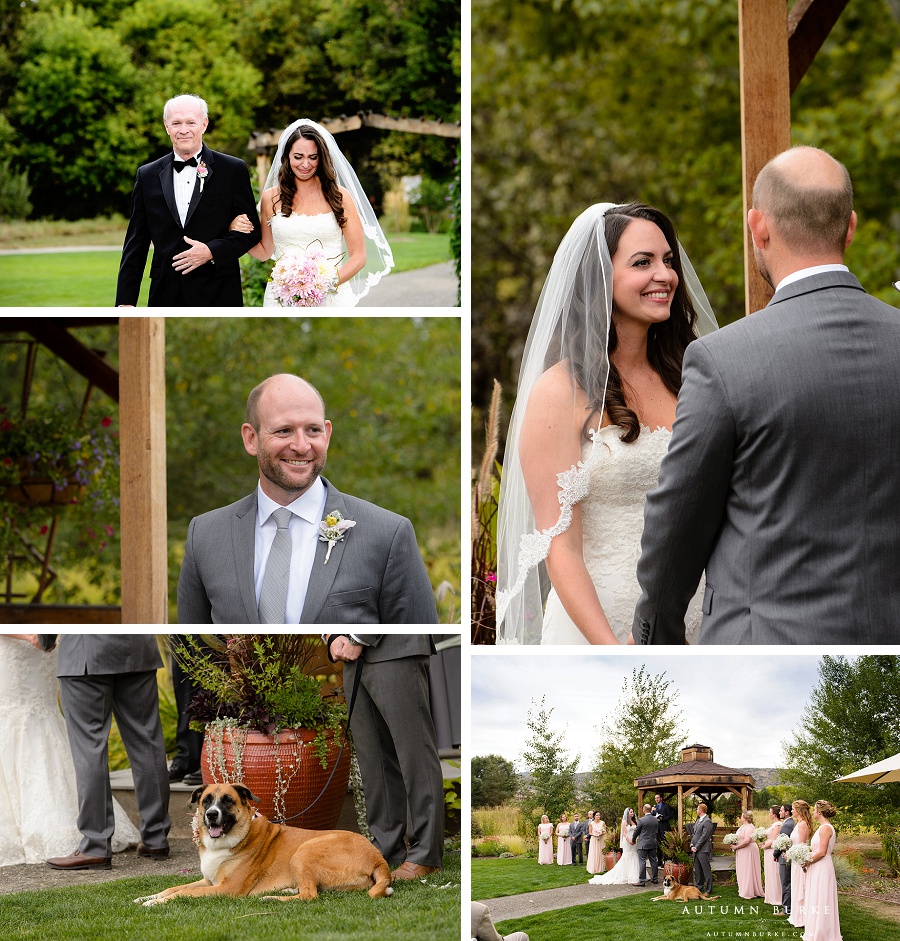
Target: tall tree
[(494, 781), (550, 775), (849, 722), (643, 735)]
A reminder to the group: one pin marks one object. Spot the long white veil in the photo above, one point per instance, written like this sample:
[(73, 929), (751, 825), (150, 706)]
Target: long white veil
[(572, 320), (626, 819), (379, 257)]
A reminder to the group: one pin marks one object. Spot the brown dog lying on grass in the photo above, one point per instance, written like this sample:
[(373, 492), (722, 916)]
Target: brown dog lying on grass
[(241, 853), (676, 892)]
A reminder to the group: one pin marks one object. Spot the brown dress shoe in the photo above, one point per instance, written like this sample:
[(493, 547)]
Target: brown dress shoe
[(413, 871), (80, 861), (143, 850)]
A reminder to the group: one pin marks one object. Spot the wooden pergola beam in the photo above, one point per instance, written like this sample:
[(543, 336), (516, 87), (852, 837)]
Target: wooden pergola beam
[(809, 23), (55, 336), (142, 422), (765, 113)]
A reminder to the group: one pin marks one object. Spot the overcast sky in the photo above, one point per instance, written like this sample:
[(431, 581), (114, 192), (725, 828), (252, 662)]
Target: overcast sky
[(742, 706)]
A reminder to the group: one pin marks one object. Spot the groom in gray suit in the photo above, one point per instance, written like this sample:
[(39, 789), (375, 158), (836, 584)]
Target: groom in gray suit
[(101, 675), (396, 746), (297, 550), (646, 836), (781, 478), (701, 847)]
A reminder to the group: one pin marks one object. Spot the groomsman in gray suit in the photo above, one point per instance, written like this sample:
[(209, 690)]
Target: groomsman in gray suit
[(784, 866), (577, 830), (396, 746), (297, 550), (101, 675), (701, 847), (646, 836), (781, 476)]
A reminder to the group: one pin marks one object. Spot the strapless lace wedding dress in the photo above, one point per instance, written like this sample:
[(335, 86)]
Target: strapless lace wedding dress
[(301, 233), (37, 778), (616, 478)]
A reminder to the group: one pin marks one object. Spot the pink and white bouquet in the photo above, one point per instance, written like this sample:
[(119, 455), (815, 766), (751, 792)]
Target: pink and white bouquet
[(799, 853), (303, 279), (782, 843)]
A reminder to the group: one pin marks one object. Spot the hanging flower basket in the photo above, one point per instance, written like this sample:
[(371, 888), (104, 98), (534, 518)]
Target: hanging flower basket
[(41, 491)]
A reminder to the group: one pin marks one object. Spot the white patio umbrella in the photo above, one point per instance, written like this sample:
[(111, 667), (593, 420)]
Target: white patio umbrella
[(882, 772)]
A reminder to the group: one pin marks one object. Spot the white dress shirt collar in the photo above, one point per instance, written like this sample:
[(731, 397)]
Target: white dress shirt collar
[(808, 273), (308, 506)]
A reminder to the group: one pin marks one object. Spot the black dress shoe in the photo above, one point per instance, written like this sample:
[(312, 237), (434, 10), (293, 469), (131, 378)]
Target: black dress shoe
[(195, 778), (80, 861), (177, 772), (144, 850)]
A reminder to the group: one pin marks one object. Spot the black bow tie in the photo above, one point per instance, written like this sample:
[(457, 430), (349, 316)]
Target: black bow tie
[(181, 164)]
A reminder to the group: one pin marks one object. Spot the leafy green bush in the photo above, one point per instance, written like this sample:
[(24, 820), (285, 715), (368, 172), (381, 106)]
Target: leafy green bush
[(14, 193)]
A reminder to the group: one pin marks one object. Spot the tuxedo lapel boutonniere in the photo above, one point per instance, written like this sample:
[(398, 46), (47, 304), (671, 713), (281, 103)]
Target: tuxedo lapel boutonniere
[(332, 530), (202, 173)]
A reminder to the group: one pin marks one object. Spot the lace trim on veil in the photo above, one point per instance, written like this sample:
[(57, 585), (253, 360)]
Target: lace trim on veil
[(534, 547)]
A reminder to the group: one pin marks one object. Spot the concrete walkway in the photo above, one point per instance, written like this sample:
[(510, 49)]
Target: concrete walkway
[(548, 900), (434, 286)]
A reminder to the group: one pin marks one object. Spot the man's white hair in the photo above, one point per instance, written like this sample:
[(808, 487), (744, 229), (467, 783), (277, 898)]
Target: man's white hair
[(194, 100)]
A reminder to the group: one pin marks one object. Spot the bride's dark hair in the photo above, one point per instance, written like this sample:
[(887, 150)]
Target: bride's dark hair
[(287, 182), (666, 341)]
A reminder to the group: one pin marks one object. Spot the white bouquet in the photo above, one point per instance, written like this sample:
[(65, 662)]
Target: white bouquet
[(799, 853), (782, 843), (563, 830), (730, 839), (760, 834)]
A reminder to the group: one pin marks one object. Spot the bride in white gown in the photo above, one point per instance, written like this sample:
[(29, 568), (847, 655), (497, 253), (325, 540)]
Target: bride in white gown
[(37, 776), (313, 202), (627, 870), (594, 411)]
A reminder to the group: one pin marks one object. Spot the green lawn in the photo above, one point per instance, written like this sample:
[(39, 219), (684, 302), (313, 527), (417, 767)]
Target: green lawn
[(636, 918), (494, 878), (88, 279), (426, 911)]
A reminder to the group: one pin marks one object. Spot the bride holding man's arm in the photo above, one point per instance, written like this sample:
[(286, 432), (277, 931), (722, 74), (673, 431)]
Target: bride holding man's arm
[(596, 402)]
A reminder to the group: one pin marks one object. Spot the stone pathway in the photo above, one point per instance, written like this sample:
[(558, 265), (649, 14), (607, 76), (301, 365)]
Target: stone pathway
[(548, 900)]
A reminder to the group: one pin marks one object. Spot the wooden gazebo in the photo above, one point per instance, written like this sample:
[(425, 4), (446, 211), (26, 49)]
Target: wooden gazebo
[(695, 775)]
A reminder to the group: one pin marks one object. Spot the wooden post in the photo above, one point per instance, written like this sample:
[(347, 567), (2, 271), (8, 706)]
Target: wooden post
[(142, 420), (680, 811), (765, 112)]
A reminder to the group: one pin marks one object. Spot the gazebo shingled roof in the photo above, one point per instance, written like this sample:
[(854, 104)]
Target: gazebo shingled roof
[(696, 774)]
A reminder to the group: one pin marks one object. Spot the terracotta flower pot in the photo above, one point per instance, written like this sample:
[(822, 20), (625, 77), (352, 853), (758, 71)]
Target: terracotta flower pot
[(301, 771), (680, 872)]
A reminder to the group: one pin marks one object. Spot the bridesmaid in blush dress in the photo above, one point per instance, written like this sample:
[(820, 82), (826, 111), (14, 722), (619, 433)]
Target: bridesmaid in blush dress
[(746, 860), (545, 841), (798, 873), (821, 902), (773, 874), (596, 861), (563, 847)]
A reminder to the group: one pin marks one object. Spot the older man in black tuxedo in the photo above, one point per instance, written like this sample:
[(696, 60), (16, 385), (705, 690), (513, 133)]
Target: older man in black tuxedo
[(184, 203)]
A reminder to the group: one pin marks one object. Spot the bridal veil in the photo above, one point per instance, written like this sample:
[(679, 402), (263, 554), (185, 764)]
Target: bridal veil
[(379, 258), (572, 323)]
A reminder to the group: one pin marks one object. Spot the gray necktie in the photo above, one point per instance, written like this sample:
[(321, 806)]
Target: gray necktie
[(273, 594)]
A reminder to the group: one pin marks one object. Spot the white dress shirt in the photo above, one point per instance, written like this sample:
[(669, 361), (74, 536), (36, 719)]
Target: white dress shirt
[(185, 182), (808, 273), (307, 511)]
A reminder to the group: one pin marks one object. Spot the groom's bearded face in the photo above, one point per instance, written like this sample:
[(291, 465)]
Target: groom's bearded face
[(291, 445)]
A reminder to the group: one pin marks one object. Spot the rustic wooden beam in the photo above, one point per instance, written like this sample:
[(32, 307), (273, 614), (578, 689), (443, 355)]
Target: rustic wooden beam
[(765, 112), (142, 420), (809, 23), (58, 614), (53, 334)]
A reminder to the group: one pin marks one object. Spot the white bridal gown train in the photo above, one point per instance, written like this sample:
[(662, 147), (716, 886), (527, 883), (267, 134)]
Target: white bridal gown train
[(37, 777)]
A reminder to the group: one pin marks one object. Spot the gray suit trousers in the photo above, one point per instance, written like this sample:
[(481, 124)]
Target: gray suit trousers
[(703, 872), (401, 771), (89, 702), (784, 870)]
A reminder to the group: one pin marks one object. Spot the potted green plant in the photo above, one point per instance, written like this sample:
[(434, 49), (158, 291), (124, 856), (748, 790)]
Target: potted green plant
[(267, 723), (613, 849), (680, 862)]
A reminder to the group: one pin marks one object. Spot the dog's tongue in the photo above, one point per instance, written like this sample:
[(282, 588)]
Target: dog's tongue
[(215, 832)]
